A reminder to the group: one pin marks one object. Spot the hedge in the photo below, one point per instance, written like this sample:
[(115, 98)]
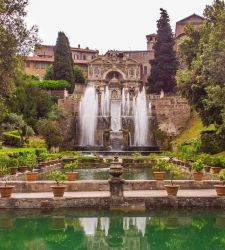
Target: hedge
[(16, 152), (53, 84), (12, 138), (210, 142)]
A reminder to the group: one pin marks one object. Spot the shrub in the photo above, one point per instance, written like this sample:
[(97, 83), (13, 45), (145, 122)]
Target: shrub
[(160, 165), (51, 131), (16, 152), (4, 160), (222, 176), (198, 165), (71, 166), (217, 161), (88, 159), (210, 142), (53, 84), (12, 138), (173, 171), (36, 142), (57, 176), (12, 162)]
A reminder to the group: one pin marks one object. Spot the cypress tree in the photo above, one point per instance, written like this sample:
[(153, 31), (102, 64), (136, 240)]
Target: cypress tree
[(63, 62), (164, 65)]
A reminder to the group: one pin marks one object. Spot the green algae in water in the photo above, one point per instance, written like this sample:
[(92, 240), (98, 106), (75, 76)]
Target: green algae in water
[(69, 229)]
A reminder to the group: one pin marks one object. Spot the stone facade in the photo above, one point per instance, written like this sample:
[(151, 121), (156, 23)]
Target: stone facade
[(172, 114)]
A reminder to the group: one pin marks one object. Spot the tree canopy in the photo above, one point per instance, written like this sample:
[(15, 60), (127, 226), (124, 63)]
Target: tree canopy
[(202, 80), (164, 65), (63, 62), (16, 41)]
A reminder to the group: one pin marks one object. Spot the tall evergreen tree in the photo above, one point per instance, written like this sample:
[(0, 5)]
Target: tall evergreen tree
[(164, 65), (63, 62)]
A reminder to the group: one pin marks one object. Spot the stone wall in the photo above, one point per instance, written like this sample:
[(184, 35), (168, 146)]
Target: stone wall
[(172, 114), (98, 185)]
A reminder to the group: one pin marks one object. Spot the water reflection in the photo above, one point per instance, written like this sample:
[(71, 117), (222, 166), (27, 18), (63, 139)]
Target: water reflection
[(95, 231)]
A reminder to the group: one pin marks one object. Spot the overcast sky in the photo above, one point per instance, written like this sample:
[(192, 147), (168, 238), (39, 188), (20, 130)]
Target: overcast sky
[(106, 24)]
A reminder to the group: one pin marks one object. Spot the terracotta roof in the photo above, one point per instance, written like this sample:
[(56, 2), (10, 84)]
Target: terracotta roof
[(51, 60), (153, 34), (193, 15), (72, 48), (39, 59)]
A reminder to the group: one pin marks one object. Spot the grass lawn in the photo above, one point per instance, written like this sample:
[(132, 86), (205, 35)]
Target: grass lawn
[(193, 130)]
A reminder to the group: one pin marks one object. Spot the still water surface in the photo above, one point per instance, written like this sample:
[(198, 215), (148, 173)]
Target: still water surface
[(87, 230)]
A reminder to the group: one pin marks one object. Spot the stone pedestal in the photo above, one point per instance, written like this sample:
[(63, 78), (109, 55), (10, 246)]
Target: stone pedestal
[(116, 182)]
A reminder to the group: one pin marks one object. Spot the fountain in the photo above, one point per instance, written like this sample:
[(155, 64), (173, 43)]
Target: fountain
[(88, 117), (140, 113)]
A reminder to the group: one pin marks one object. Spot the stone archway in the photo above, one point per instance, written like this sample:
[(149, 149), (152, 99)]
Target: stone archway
[(108, 75)]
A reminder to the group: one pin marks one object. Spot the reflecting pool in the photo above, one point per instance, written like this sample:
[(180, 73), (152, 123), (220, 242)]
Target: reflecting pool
[(70, 229), (128, 174)]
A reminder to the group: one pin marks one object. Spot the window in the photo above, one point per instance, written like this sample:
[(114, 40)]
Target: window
[(145, 54), (37, 65), (145, 70), (84, 57), (42, 65), (28, 64)]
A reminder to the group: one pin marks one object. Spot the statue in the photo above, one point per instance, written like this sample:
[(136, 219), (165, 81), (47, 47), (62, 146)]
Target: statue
[(66, 93)]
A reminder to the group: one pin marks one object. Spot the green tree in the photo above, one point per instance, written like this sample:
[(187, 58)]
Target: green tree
[(51, 132), (16, 41), (16, 122), (78, 75), (202, 80), (164, 65), (49, 73), (31, 102), (63, 62)]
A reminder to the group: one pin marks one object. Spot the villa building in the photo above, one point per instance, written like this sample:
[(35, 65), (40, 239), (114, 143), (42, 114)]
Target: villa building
[(43, 57), (44, 54)]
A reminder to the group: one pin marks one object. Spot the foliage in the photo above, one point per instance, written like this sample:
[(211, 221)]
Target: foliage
[(198, 165), (29, 160), (136, 154), (12, 162), (51, 131), (160, 164), (17, 152), (63, 62), (202, 80), (222, 176), (4, 159), (210, 142), (31, 102), (16, 41), (173, 171), (3, 110), (49, 73), (46, 156), (71, 153), (36, 142), (87, 159), (189, 147), (164, 65), (16, 122), (71, 166), (3, 172), (78, 75), (217, 161), (12, 138), (204, 157), (53, 84), (58, 176)]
